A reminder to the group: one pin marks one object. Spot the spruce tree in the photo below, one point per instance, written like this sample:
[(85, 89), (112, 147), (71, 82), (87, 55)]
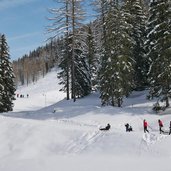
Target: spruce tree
[(7, 86), (91, 56), (64, 64), (78, 50), (61, 25), (68, 22), (159, 49), (137, 19), (116, 73), (82, 74)]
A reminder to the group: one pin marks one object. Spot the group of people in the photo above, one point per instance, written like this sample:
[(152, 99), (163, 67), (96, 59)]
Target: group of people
[(160, 123), (145, 126), (128, 127), (22, 95)]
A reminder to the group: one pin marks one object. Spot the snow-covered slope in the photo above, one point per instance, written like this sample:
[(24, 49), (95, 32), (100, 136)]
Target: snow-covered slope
[(47, 133), (41, 94)]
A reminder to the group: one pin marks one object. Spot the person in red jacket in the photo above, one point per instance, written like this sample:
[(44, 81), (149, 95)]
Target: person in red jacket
[(145, 125), (160, 126)]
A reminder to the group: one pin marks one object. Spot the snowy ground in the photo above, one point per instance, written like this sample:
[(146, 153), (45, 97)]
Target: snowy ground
[(47, 133)]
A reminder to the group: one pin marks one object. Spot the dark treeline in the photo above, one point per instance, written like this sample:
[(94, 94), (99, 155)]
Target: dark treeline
[(125, 48), (36, 64)]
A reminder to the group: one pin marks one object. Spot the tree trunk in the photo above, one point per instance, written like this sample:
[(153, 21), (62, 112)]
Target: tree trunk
[(67, 50), (167, 102)]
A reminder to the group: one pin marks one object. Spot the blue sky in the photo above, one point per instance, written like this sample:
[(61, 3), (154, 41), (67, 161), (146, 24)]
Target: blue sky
[(24, 24)]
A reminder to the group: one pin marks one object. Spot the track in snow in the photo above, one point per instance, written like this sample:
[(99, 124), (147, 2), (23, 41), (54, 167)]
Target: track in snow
[(81, 143), (149, 139)]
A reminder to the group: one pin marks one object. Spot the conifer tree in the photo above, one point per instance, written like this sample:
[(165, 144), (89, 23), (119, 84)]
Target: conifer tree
[(61, 25), (159, 49), (65, 65), (78, 35), (7, 87), (137, 19), (102, 7), (116, 73), (91, 56), (82, 74), (69, 20)]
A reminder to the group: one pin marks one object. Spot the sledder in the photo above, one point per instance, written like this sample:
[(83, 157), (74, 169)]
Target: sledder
[(128, 127), (106, 128)]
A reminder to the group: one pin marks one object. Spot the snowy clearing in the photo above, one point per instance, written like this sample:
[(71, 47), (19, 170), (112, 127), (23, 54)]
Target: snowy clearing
[(47, 133)]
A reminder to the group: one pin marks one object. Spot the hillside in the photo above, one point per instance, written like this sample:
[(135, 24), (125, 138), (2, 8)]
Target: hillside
[(47, 133)]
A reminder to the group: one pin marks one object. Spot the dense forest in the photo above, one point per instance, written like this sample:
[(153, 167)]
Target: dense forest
[(36, 64), (126, 47)]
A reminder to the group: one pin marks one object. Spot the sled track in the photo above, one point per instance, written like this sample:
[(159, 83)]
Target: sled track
[(80, 144), (149, 139), (76, 123)]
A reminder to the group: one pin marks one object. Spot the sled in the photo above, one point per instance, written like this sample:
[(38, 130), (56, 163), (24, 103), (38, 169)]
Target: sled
[(165, 132)]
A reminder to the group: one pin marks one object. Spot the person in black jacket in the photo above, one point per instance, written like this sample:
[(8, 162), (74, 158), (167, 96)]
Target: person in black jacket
[(170, 128), (106, 128), (128, 127)]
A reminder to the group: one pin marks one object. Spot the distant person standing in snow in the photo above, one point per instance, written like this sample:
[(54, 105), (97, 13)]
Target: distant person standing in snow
[(160, 126), (127, 127), (145, 124), (170, 128)]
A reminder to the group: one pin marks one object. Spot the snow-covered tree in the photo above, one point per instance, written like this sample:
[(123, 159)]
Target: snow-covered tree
[(116, 73), (68, 20), (92, 56), (137, 20), (82, 74), (78, 36), (65, 65), (7, 87), (61, 26), (159, 49)]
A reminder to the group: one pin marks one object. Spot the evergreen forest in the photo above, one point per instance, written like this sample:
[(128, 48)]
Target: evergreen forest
[(125, 47)]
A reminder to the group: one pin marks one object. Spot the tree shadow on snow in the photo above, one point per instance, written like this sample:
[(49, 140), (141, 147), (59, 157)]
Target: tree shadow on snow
[(62, 109), (89, 104)]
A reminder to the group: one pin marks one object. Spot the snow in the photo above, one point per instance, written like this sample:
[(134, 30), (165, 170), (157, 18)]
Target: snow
[(46, 132)]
